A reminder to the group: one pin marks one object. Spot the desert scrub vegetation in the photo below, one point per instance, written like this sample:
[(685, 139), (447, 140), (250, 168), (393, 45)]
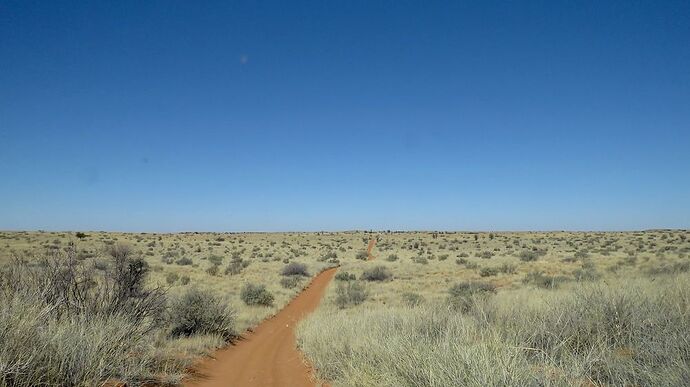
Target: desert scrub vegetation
[(290, 282), (463, 295), (253, 294), (419, 268), (377, 273), (295, 269), (64, 322), (633, 332), (201, 312), (350, 293)]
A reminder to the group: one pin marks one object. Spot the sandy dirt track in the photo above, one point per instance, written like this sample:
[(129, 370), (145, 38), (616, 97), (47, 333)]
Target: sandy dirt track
[(268, 356)]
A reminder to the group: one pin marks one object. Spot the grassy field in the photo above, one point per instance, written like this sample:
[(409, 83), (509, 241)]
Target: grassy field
[(508, 309), (431, 309)]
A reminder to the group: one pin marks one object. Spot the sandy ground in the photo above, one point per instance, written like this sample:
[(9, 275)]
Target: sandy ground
[(268, 356)]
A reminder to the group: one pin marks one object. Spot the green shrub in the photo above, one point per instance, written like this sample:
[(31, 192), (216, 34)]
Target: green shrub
[(362, 255), (345, 276), (378, 273), (253, 294), (350, 293), (215, 259), (184, 261), (200, 312), (329, 256), (295, 269), (528, 255), (392, 258), (236, 266)]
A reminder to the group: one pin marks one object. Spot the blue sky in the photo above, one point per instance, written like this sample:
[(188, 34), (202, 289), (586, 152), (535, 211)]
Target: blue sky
[(234, 116)]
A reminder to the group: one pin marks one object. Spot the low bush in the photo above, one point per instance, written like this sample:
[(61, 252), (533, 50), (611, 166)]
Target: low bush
[(345, 276), (236, 266), (350, 293), (392, 258), (253, 294), (329, 256), (200, 312), (295, 269), (215, 259), (362, 255), (212, 270), (378, 273), (528, 255), (488, 271)]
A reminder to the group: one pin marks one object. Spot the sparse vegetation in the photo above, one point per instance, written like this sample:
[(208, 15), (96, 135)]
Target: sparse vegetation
[(636, 334), (256, 295), (295, 269), (201, 312), (422, 274), (378, 273), (350, 293)]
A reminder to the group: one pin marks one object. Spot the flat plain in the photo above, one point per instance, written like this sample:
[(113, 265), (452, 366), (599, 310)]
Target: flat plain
[(432, 308)]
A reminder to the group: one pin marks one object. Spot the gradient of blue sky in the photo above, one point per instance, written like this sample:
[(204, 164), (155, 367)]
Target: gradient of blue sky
[(181, 115)]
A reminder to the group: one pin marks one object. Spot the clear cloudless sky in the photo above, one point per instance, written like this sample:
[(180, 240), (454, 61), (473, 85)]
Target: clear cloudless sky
[(336, 115)]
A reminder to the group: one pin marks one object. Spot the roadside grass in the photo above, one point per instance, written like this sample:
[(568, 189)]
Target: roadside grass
[(628, 332)]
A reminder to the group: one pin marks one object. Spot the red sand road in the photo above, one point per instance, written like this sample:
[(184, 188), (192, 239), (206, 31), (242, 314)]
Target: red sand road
[(372, 243), (268, 356)]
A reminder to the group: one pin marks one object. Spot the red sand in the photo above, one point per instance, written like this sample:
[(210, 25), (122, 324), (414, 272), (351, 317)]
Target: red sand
[(268, 356)]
